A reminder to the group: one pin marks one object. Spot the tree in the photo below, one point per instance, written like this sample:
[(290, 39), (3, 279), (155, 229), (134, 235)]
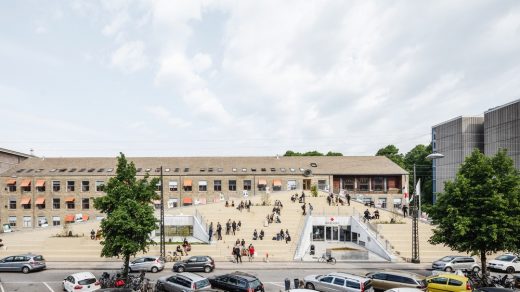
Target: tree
[(311, 153), (423, 170), (392, 153), (479, 212), (330, 153), (129, 215)]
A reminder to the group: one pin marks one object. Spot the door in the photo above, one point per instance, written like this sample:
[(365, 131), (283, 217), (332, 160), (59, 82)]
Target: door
[(191, 265), (324, 284), (328, 233), (306, 184), (5, 263), (138, 264), (335, 233), (354, 237), (437, 284)]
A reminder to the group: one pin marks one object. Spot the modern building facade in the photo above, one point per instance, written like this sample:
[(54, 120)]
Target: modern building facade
[(455, 139), (60, 190), (10, 158), (502, 131)]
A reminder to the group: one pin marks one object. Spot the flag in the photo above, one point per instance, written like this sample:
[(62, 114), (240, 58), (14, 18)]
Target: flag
[(417, 192), (405, 196)]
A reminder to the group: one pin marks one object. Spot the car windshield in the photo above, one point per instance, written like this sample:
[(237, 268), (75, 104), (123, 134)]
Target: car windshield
[(87, 281), (201, 284), (506, 258), (446, 259)]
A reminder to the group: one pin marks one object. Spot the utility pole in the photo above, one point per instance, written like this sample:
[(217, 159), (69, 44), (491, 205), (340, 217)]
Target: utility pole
[(162, 241), (415, 222)]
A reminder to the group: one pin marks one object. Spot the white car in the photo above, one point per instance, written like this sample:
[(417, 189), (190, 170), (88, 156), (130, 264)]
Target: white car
[(507, 262), (84, 281)]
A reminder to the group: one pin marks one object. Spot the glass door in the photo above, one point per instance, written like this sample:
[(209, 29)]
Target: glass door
[(328, 233), (335, 233)]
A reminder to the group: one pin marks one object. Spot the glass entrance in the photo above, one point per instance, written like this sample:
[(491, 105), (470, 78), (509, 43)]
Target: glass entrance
[(331, 233), (344, 233), (306, 184)]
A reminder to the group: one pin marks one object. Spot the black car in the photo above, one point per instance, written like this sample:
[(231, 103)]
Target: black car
[(194, 264), (237, 282)]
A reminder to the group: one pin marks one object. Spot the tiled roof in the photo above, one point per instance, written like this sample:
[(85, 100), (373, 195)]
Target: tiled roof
[(3, 150), (333, 165)]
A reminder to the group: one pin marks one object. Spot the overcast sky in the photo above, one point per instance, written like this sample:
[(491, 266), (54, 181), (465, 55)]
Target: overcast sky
[(218, 78)]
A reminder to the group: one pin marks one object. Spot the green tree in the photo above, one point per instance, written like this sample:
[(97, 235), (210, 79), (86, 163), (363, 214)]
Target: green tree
[(479, 212), (312, 153), (292, 153), (392, 153), (423, 168), (129, 215), (330, 153)]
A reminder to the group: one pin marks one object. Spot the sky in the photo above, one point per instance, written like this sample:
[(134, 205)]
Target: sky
[(248, 78)]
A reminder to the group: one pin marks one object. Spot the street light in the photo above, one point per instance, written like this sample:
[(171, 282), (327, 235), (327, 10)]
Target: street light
[(416, 213)]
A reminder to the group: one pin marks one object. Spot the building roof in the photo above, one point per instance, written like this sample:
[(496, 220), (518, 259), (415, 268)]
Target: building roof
[(502, 106), (3, 150), (193, 166)]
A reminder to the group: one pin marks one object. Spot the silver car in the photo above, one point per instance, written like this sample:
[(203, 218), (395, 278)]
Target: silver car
[(452, 263), (153, 264), (182, 282), (338, 282), (25, 263)]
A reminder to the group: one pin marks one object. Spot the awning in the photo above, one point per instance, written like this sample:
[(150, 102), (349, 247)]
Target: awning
[(187, 182), (85, 217), (156, 202), (69, 218), (11, 181), (172, 183), (277, 182), (202, 201), (203, 183), (25, 183), (40, 201), (40, 183), (262, 182), (70, 199), (25, 200), (187, 201)]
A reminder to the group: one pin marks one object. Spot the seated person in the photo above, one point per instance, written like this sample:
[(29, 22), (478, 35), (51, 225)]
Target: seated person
[(255, 235), (278, 219), (179, 250), (232, 203), (287, 239), (262, 234), (227, 204)]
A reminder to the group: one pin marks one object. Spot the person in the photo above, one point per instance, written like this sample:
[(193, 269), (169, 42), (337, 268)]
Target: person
[(282, 234), (302, 198), (261, 234), (237, 251), (185, 245), (348, 199), (219, 231), (92, 234), (310, 208), (255, 235), (227, 204), (233, 203), (210, 231), (228, 227), (237, 243), (287, 237), (367, 215), (243, 243), (277, 219), (405, 210), (251, 252), (1, 243), (179, 250), (239, 224), (376, 214), (328, 200), (234, 226), (303, 209)]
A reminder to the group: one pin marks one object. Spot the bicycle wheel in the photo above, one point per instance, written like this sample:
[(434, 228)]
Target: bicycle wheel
[(321, 260), (169, 258), (332, 261)]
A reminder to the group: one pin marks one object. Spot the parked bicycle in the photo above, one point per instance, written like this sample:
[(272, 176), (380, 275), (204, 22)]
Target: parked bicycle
[(172, 257), (325, 258)]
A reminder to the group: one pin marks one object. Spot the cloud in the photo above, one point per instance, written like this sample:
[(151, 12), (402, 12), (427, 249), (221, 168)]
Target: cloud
[(166, 116), (130, 57)]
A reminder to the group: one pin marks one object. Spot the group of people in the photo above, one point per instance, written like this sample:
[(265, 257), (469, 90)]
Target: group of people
[(258, 236), (95, 235), (186, 247), (283, 236), (304, 208), (336, 200), (367, 216), (300, 199), (233, 226), (240, 250)]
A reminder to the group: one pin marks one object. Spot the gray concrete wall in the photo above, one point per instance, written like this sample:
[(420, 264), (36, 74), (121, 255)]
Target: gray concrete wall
[(502, 131)]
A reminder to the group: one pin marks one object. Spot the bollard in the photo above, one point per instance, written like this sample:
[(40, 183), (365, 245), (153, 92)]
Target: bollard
[(287, 284), (296, 283)]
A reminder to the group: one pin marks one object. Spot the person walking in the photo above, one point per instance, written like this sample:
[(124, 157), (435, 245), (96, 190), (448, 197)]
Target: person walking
[(228, 227), (234, 226), (251, 252), (92, 234), (348, 199), (239, 225), (239, 256), (376, 214), (405, 211), (210, 231), (310, 209), (303, 209), (219, 231)]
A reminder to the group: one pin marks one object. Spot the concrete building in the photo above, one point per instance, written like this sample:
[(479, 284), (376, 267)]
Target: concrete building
[(10, 158), (53, 191), (502, 130), (455, 139)]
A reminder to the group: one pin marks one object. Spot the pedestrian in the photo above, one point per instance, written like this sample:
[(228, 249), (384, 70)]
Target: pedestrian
[(239, 257), (376, 214), (219, 231), (243, 243), (261, 236), (1, 244), (239, 225), (287, 237), (251, 252), (367, 215), (210, 231), (228, 227), (348, 199), (310, 209), (234, 226), (405, 211), (92, 234), (303, 209)]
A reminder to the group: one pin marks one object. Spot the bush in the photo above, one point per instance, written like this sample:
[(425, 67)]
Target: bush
[(314, 191)]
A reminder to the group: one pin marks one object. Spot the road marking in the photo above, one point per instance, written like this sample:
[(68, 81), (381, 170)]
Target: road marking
[(48, 286), (2, 287), (278, 284)]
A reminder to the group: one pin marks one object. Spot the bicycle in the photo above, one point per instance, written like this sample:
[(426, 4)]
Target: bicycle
[(327, 259), (172, 257)]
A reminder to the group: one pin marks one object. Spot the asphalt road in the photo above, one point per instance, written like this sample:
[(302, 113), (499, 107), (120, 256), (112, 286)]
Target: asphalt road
[(271, 274)]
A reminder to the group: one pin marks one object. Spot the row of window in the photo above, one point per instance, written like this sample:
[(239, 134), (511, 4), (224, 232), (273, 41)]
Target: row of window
[(69, 204), (247, 185), (158, 169), (363, 184), (70, 186)]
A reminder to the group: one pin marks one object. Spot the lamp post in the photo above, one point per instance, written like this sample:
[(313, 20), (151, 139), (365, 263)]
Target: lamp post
[(162, 240), (416, 209)]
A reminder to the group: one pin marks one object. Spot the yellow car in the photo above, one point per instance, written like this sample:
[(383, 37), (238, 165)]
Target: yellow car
[(448, 283)]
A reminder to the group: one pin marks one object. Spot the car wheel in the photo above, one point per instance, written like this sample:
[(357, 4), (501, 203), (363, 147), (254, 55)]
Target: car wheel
[(207, 269), (26, 270), (309, 286), (155, 269), (180, 269), (510, 270), (448, 269), (476, 269)]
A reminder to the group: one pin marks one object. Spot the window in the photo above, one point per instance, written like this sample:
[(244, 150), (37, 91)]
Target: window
[(62, 170), (203, 186), (327, 279), (292, 169), (220, 169), (453, 282), (71, 205), (244, 169), (202, 170), (318, 233), (70, 186), (339, 281), (100, 186), (273, 169), (363, 184), (232, 185), (291, 185), (263, 169), (12, 187), (173, 186), (91, 169), (101, 170), (167, 170), (56, 221), (378, 184), (27, 221), (56, 203), (253, 169), (177, 230), (322, 184), (210, 169), (234, 170), (217, 185), (158, 186), (314, 164), (172, 203), (247, 185), (186, 169), (85, 186), (352, 284), (439, 280), (350, 184), (85, 203), (139, 169), (12, 221), (176, 169), (26, 206), (12, 203), (42, 220), (26, 185), (82, 170), (40, 186), (56, 185)]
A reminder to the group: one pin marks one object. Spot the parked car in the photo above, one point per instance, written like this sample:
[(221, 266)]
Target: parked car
[(404, 290), (115, 290), (448, 283), (182, 282), (81, 282), (25, 263), (452, 263), (385, 280), (153, 264), (507, 262), (338, 282), (195, 264), (237, 282), (492, 289)]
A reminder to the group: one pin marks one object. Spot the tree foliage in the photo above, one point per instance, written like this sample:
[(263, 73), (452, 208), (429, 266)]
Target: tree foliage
[(129, 215), (391, 152), (479, 212), (423, 170), (311, 153)]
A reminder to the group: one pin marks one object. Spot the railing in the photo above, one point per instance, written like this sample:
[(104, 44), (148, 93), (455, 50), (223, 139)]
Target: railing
[(301, 227)]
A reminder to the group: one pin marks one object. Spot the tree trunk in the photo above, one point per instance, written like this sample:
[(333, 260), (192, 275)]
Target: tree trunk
[(126, 258), (483, 262)]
